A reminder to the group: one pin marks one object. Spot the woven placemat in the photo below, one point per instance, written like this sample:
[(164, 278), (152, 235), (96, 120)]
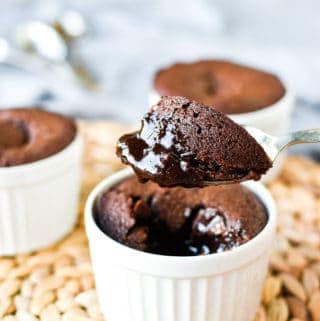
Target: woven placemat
[(57, 283)]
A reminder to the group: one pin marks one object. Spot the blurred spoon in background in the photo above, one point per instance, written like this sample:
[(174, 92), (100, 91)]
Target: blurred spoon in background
[(43, 41), (71, 25), (38, 38)]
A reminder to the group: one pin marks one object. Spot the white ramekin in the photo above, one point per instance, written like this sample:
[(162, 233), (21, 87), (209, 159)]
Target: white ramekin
[(38, 201), (274, 120), (134, 285)]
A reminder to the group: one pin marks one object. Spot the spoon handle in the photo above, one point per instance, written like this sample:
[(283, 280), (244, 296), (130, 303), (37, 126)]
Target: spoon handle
[(299, 137)]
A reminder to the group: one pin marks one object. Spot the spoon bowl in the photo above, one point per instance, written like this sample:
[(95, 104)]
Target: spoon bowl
[(42, 40), (52, 44), (71, 25)]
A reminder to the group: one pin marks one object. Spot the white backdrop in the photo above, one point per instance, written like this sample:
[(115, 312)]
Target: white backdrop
[(130, 39)]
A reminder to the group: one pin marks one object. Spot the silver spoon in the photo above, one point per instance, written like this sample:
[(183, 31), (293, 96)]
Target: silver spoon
[(42, 40), (71, 25), (10, 55), (38, 38), (274, 145)]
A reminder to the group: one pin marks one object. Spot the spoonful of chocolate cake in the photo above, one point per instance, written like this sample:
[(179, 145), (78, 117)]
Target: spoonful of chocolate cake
[(184, 143)]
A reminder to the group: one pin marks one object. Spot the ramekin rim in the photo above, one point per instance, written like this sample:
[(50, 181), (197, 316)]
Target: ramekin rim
[(117, 177)]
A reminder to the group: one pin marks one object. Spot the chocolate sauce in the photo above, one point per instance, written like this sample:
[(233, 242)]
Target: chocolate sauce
[(156, 150), (205, 231), (196, 237)]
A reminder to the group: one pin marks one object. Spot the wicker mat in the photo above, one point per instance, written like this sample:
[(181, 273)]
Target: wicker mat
[(57, 283)]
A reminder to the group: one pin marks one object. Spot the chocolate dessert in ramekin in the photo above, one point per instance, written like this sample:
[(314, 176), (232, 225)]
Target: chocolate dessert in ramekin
[(40, 171), (229, 87), (250, 95), (29, 135), (179, 279)]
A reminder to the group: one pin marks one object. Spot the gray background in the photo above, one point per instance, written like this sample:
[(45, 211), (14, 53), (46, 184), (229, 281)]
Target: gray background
[(130, 39)]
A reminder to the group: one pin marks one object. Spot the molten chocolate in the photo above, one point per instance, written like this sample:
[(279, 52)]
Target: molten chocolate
[(179, 221)]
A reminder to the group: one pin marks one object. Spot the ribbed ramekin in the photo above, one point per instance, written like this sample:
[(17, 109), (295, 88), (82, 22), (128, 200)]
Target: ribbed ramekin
[(38, 201), (138, 286), (274, 120)]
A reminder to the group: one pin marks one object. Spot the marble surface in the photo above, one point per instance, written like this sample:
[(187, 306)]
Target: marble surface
[(130, 39)]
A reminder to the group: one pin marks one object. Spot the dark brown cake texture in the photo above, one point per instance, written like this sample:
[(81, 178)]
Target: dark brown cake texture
[(30, 134), (185, 143), (228, 87), (179, 221)]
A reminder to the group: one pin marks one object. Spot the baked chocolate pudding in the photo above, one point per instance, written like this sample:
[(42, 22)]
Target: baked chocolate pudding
[(28, 135), (185, 143), (178, 221), (228, 87)]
